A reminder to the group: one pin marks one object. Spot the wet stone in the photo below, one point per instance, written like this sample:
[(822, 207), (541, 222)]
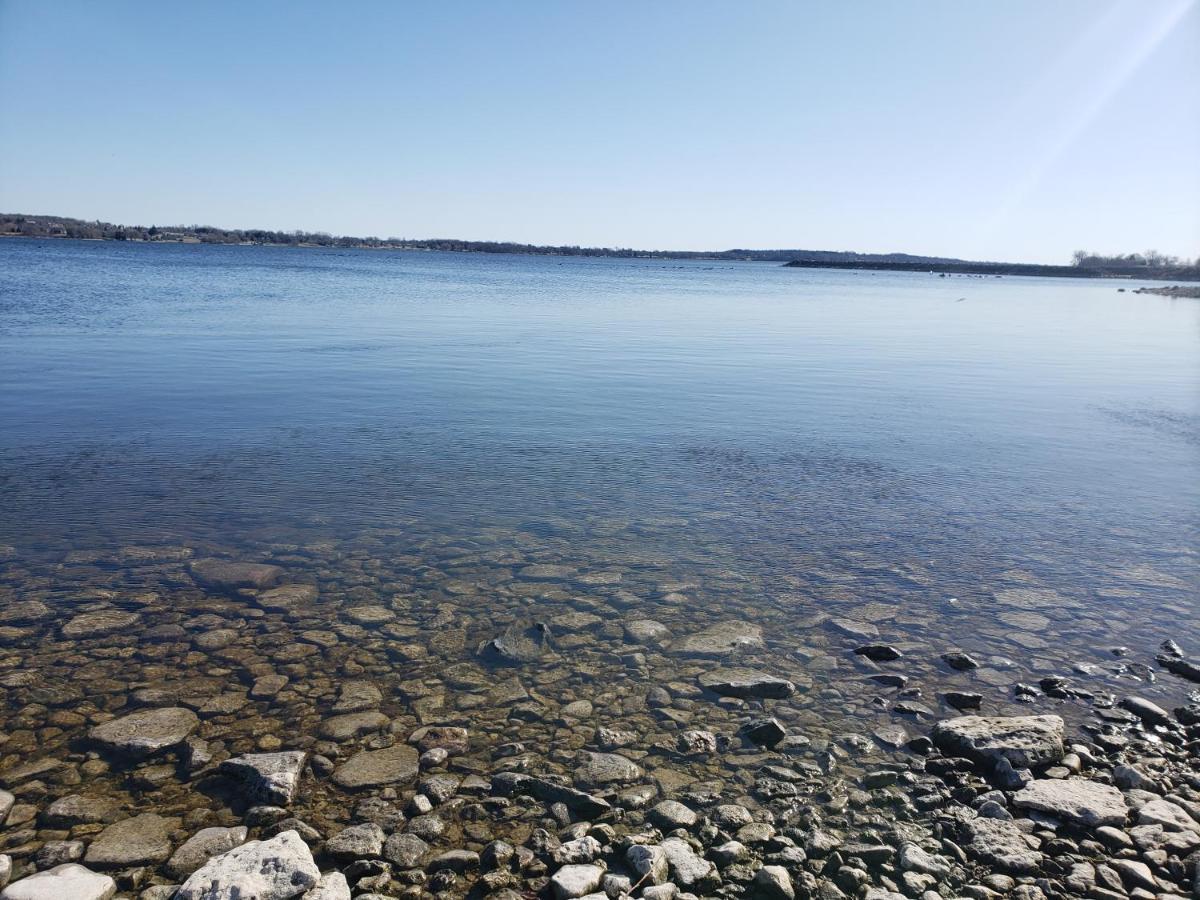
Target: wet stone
[(139, 841), (146, 732), (363, 841), (521, 642), (98, 624), (201, 847), (878, 652), (76, 809), (287, 597), (351, 725), (647, 631), (357, 696), (742, 682), (599, 769), (371, 768), (226, 575), (1024, 741), (720, 640), (405, 851)]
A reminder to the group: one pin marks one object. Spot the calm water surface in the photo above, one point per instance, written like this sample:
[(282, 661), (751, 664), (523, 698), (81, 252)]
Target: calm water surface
[(1010, 466)]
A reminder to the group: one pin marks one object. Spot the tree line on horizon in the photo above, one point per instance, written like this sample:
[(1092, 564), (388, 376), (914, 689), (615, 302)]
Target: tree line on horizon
[(16, 224)]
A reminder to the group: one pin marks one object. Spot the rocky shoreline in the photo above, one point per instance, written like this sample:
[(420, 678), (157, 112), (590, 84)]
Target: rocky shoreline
[(707, 784)]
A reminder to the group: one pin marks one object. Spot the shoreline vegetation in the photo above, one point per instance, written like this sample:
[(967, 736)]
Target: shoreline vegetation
[(1151, 265)]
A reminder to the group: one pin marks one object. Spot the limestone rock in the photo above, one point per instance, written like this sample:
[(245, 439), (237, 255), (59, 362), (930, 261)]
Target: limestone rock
[(139, 841), (276, 869), (370, 768), (98, 624), (575, 881), (1000, 843), (1025, 741), (722, 639), (66, 882), (201, 847), (227, 575), (740, 682), (269, 777), (1075, 800)]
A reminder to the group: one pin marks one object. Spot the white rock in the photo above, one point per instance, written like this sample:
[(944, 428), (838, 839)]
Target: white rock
[(1076, 800), (690, 870), (332, 886), (71, 881), (648, 860), (278, 869), (1025, 741), (570, 882)]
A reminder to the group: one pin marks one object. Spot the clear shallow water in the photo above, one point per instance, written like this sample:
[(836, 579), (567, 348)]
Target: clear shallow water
[(1009, 466)]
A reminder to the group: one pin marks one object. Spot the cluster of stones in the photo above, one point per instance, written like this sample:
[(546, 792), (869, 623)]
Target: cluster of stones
[(707, 787)]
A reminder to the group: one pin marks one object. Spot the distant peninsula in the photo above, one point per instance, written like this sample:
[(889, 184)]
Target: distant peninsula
[(1153, 266)]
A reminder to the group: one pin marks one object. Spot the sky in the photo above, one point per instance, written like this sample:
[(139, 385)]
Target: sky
[(1018, 131)]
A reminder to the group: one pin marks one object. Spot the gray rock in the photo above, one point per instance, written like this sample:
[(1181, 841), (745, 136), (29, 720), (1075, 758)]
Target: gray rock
[(5, 869), (98, 624), (275, 869), (357, 696), (363, 841), (741, 682), (76, 809), (270, 778), (647, 631), (914, 859), (722, 639), (774, 883), (1074, 800), (66, 882), (225, 575), (146, 732), (765, 732), (287, 597), (201, 847), (371, 768), (606, 768), (351, 725), (1025, 741), (455, 861), (671, 814), (57, 853), (575, 881), (405, 851), (1148, 712), (139, 841), (521, 642), (6, 804), (649, 862), (688, 869), (1167, 814), (332, 886), (1001, 843)]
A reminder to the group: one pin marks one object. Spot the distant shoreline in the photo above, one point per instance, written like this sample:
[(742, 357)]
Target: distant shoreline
[(17, 225)]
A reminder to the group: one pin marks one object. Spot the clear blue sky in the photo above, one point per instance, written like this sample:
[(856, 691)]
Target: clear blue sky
[(1017, 130)]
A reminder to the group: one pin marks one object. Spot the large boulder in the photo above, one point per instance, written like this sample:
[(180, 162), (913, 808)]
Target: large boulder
[(277, 869), (1025, 741), (1075, 800), (66, 882), (146, 732)]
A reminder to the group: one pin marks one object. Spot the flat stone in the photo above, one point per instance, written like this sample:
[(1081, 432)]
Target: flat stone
[(546, 572), (1166, 814), (287, 597), (1075, 800), (720, 640), (98, 624), (1000, 843), (146, 732), (357, 696), (740, 682), (1025, 741), (227, 575), (76, 809), (647, 631), (277, 869), (370, 768), (606, 768), (521, 642), (364, 841), (268, 777), (575, 881), (201, 847), (70, 881), (140, 841), (451, 738), (350, 725)]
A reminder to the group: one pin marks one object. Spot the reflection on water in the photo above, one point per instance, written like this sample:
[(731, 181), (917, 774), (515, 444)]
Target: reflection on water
[(837, 458)]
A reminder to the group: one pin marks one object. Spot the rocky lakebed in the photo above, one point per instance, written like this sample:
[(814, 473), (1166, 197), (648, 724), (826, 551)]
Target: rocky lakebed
[(503, 718)]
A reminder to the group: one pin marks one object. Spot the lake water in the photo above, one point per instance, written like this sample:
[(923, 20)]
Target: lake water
[(1010, 467)]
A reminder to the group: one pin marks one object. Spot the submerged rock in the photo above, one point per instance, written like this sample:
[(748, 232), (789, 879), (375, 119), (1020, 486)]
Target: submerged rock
[(722, 639), (740, 682), (97, 624), (227, 575), (521, 642), (1025, 741), (371, 768), (146, 732), (138, 841)]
